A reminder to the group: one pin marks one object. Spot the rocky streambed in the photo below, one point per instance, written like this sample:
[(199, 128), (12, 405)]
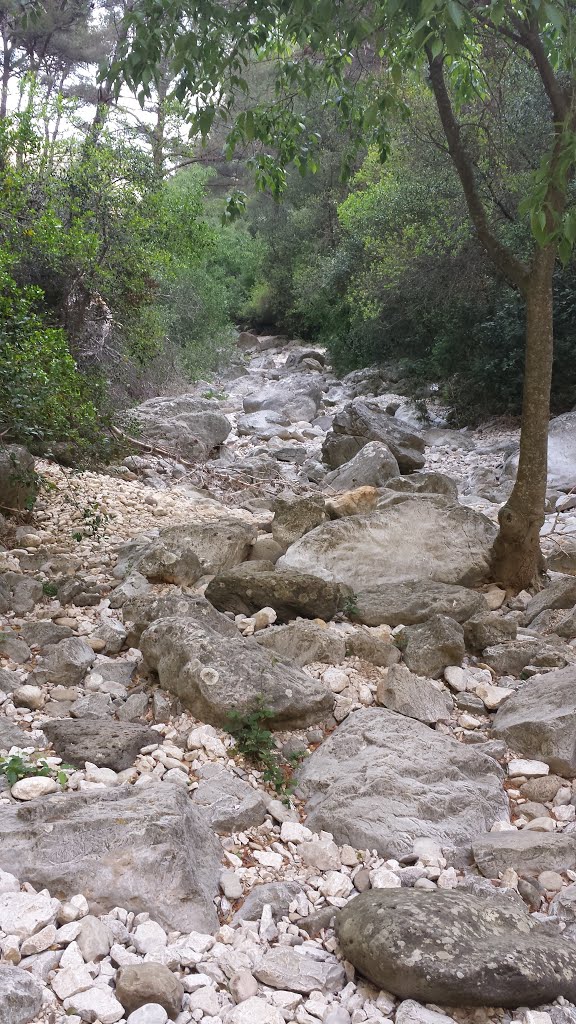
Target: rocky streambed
[(294, 552)]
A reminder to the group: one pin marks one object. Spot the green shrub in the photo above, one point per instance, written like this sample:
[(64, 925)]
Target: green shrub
[(44, 401)]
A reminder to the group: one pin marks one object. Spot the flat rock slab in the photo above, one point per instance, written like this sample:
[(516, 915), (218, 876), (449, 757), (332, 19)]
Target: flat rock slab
[(428, 538), (246, 589), (214, 675), (142, 849), (455, 949), (416, 601), (102, 741), (382, 780), (284, 968), (525, 851), (539, 720)]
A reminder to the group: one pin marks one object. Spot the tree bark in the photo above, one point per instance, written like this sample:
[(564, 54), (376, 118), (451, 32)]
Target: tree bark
[(517, 560)]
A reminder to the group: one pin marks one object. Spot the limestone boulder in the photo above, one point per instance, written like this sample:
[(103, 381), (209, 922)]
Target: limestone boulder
[(18, 593), (21, 995), (251, 586), (382, 780), (414, 601), (140, 611), (420, 539), (295, 517), (539, 720), (357, 502), (142, 849), (227, 803), (526, 852), (101, 741), (365, 420), (429, 647), (373, 466), (455, 949), (196, 549), (214, 675), (297, 396), (413, 696), (188, 426), (303, 641)]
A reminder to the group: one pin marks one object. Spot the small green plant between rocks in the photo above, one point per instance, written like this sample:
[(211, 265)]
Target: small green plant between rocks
[(49, 589), (350, 605), (256, 743), (19, 767), (94, 522)]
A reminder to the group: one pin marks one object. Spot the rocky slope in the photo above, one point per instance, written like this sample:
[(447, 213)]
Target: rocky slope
[(302, 545)]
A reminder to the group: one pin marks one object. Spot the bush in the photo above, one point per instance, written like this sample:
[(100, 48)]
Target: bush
[(44, 401)]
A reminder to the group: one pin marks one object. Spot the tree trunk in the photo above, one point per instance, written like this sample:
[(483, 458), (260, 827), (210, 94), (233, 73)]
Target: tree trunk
[(517, 560)]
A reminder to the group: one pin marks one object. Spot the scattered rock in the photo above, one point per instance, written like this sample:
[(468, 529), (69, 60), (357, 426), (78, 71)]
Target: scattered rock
[(228, 803), (295, 517), (139, 984), (373, 466), (302, 642), (539, 720), (285, 968), (431, 646), (526, 852), (20, 995), (415, 601)]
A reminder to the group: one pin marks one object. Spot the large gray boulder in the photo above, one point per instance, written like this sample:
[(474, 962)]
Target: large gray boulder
[(101, 741), (381, 780), (214, 675), (199, 548), (526, 852), (303, 641), (421, 539), (297, 396), (188, 426), (21, 995), (140, 611), (18, 480), (413, 696), (431, 646), (252, 586), (539, 720), (293, 517), (147, 850), (373, 466), (455, 949), (365, 420), (413, 601), (562, 452)]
